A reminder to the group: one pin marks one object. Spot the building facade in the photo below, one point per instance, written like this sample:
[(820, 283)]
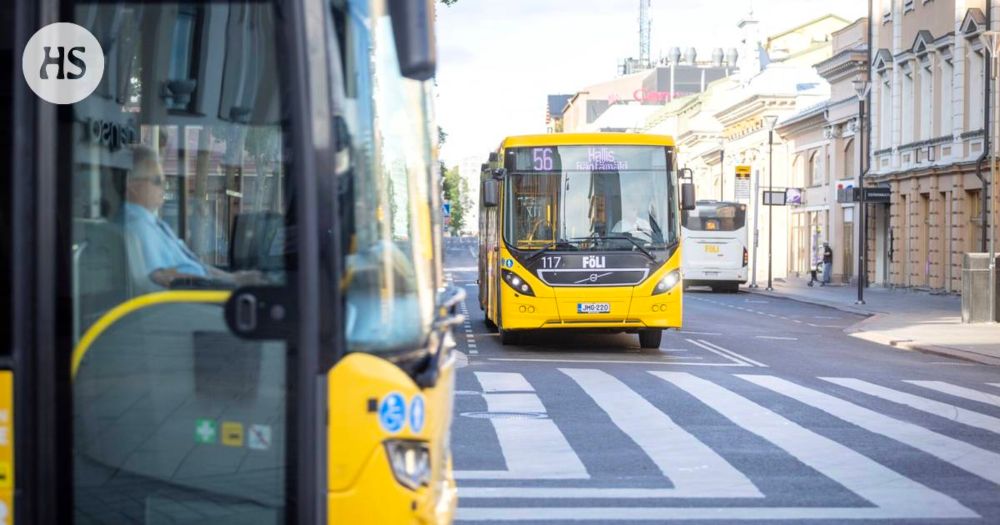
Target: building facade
[(928, 101), (825, 149)]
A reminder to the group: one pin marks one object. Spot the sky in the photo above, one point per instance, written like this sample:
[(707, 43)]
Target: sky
[(499, 59)]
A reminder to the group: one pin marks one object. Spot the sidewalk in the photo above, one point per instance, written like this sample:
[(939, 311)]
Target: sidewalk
[(907, 319)]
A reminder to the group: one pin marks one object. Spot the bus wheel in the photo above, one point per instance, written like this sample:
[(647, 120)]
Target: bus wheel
[(650, 338), (508, 338)]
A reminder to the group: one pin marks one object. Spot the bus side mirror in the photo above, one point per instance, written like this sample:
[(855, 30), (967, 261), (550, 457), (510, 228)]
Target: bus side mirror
[(413, 28), (687, 196), (491, 193)]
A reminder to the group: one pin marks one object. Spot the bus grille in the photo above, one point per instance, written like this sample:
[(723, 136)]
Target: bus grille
[(610, 277)]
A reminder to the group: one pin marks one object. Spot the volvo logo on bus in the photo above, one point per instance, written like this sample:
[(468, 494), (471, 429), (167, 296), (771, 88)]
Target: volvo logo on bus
[(594, 261)]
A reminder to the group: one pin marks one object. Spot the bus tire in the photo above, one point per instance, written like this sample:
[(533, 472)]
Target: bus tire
[(490, 325), (650, 338)]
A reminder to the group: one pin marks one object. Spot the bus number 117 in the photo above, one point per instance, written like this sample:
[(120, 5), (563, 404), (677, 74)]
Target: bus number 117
[(551, 263)]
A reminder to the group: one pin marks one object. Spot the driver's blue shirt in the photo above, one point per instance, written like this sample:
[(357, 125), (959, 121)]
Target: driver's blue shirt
[(161, 248)]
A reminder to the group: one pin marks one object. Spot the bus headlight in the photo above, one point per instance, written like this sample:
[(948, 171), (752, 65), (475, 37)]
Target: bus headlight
[(668, 283), (410, 462), (517, 283)]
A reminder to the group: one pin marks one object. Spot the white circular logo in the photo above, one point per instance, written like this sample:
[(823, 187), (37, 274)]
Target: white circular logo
[(63, 63)]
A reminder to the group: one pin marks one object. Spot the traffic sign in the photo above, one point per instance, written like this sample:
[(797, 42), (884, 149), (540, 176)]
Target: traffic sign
[(446, 209), (774, 198), (742, 182)]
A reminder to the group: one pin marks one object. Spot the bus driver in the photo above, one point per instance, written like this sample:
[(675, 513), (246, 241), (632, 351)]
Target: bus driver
[(165, 256)]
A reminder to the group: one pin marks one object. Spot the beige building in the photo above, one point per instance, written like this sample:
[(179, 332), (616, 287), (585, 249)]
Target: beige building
[(724, 127), (927, 138), (824, 154)]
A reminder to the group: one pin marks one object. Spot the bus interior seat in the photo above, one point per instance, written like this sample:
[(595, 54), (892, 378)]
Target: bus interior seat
[(100, 263)]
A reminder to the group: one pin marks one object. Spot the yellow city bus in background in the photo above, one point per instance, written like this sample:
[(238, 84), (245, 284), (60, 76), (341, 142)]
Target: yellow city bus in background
[(582, 231), (297, 366)]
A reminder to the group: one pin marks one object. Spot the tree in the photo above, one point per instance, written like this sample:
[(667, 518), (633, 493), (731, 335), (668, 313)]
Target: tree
[(449, 3), (456, 192)]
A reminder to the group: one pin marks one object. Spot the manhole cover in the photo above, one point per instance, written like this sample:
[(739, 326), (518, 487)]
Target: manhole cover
[(504, 415)]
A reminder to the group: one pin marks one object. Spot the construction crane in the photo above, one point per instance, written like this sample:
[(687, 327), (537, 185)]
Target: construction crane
[(645, 25)]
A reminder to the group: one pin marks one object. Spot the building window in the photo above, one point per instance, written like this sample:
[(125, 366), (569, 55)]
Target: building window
[(814, 174), (974, 207), (974, 91), (944, 107), (909, 106), (850, 161), (926, 101), (885, 112)]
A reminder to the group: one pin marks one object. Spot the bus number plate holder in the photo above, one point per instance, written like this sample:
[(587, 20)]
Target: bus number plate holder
[(711, 248), (593, 308)]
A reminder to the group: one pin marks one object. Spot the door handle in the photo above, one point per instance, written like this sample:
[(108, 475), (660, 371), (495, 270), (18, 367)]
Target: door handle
[(262, 312)]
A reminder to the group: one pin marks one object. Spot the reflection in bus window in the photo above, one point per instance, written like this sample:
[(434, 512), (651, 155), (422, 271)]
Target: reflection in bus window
[(179, 183), (389, 272)]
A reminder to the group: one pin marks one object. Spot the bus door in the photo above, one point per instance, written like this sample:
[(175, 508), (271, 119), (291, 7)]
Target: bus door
[(169, 299)]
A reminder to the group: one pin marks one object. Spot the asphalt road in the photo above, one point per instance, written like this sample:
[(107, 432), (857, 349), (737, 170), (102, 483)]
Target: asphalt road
[(759, 410)]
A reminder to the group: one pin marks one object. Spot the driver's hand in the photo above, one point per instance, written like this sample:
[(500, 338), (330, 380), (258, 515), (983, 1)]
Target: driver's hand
[(248, 277)]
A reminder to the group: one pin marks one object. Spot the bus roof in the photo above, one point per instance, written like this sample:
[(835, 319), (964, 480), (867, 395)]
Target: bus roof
[(586, 139)]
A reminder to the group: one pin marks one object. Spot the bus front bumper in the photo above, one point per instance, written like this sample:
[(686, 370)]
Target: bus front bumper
[(564, 312)]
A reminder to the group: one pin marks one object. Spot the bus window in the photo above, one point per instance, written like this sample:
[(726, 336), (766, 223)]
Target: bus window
[(180, 193), (389, 264), (716, 217), (534, 198)]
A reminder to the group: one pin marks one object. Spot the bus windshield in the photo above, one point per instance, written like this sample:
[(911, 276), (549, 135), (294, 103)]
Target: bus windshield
[(590, 197), (716, 216)]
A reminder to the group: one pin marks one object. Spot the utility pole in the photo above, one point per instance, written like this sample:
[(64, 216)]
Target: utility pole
[(756, 225), (991, 40), (861, 87), (769, 123), (722, 173)]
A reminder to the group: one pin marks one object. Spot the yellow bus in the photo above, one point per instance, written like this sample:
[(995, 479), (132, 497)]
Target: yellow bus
[(220, 265), (582, 231)]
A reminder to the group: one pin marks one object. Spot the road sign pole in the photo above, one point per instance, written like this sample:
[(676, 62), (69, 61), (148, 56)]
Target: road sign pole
[(756, 225)]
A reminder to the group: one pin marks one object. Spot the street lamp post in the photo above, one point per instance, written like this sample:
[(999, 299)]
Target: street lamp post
[(991, 40), (862, 87), (722, 171), (756, 222), (769, 123)]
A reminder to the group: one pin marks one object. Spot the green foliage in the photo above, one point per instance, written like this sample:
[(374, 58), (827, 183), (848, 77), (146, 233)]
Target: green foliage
[(449, 3), (456, 191)]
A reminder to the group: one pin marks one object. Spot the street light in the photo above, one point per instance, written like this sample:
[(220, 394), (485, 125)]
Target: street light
[(722, 171), (769, 123), (991, 40), (862, 87)]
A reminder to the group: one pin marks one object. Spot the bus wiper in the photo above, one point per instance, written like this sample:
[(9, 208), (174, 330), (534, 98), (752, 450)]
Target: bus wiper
[(535, 254), (626, 238)]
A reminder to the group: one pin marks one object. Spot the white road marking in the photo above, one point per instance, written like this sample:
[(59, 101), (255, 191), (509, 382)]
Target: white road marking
[(685, 332), (612, 362), (693, 467), (776, 338), (532, 448), (493, 382), (952, 412), (959, 391), (734, 354), (824, 325), (994, 384), (983, 463), (736, 362)]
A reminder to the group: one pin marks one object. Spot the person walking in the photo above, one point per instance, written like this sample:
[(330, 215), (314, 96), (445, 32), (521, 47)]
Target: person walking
[(827, 263)]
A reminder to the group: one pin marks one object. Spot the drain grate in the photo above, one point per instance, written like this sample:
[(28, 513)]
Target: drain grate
[(505, 415)]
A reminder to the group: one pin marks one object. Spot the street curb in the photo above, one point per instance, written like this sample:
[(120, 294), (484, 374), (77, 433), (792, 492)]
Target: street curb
[(835, 306), (857, 330)]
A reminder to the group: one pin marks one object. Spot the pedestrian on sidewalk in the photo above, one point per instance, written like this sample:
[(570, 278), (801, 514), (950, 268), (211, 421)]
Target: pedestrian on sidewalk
[(827, 264)]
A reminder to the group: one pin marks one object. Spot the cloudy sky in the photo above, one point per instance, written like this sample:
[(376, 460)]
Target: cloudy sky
[(498, 59)]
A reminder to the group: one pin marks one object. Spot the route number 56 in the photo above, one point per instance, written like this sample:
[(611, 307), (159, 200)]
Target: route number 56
[(543, 159)]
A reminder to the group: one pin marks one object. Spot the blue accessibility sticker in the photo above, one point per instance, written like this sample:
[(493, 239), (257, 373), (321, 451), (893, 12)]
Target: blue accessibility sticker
[(509, 263), (392, 412), (417, 414)]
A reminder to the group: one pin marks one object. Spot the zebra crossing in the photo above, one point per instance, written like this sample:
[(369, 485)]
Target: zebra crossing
[(545, 479)]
